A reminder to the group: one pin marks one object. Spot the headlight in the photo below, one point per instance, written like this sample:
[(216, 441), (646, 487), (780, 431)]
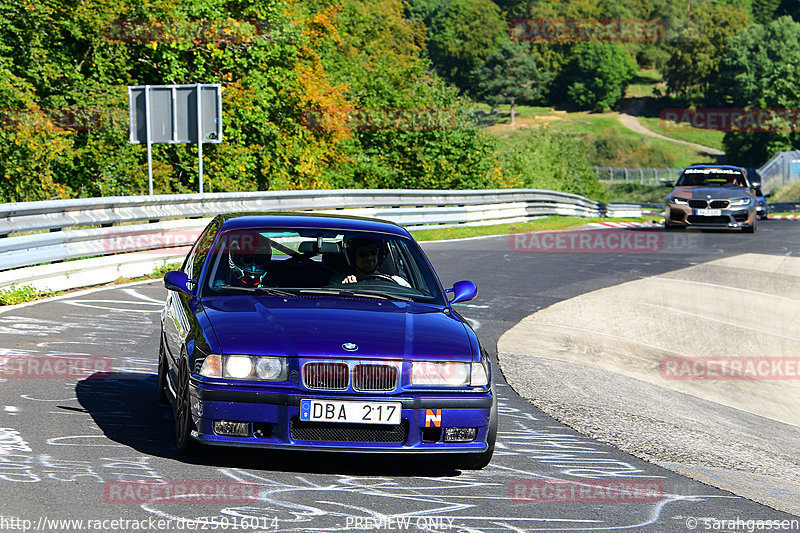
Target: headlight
[(739, 202), (253, 367), (212, 367), (238, 366), (270, 368), (677, 201), (450, 374), (480, 377)]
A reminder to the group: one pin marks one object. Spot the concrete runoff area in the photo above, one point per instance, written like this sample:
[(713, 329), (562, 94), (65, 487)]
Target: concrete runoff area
[(671, 368)]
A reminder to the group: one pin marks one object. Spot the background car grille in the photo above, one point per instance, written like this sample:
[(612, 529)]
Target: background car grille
[(374, 377), (326, 376), (698, 204), (719, 204), (327, 431)]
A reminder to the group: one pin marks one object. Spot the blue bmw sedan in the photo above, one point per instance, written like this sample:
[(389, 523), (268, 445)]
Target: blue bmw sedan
[(322, 332)]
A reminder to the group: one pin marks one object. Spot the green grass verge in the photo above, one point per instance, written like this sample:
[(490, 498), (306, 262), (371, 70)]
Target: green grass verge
[(18, 294), (684, 132), (644, 83), (788, 193), (542, 224)]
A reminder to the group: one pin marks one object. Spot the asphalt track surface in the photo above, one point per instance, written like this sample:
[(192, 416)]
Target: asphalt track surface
[(66, 443)]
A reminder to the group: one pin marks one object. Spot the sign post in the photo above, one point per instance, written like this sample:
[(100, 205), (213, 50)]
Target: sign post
[(174, 114)]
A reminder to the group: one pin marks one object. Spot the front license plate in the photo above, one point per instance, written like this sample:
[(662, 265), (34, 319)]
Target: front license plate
[(351, 412), (708, 212)]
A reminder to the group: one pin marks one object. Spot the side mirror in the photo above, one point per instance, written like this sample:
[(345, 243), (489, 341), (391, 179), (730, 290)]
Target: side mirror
[(669, 184), (463, 291), (177, 280)]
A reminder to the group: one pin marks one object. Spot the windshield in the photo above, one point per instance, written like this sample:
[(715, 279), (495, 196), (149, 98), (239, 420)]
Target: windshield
[(711, 177), (319, 262)]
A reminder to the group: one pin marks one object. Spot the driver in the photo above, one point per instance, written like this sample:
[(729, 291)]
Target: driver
[(366, 255), (249, 255)]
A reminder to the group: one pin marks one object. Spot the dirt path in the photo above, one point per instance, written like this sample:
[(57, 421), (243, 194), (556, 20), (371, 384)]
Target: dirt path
[(630, 121)]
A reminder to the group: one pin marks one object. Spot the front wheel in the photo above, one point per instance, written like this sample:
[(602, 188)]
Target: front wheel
[(751, 228), (183, 413), (161, 382)]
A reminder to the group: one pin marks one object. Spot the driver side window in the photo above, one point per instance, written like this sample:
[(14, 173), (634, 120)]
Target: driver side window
[(194, 262)]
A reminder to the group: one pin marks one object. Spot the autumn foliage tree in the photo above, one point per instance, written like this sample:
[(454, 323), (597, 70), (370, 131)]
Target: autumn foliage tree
[(294, 74)]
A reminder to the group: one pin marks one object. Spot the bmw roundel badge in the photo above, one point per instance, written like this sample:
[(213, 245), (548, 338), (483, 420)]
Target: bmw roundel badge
[(350, 346)]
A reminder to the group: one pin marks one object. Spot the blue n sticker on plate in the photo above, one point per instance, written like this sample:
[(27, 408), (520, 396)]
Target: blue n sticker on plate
[(305, 409)]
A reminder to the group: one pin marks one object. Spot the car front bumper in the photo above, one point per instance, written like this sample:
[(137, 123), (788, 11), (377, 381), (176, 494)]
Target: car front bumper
[(273, 419), (680, 215)]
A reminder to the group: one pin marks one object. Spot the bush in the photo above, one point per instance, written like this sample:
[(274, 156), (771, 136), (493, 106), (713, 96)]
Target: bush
[(612, 149), (540, 159)]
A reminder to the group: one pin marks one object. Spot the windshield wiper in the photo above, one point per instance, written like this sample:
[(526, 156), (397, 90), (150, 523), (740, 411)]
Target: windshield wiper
[(356, 294), (258, 290)]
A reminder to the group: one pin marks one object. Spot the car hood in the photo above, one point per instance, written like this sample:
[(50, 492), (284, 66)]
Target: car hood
[(313, 326), (715, 192)]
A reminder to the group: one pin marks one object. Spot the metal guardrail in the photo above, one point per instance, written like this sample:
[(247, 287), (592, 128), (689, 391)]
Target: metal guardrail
[(34, 233), (782, 168)]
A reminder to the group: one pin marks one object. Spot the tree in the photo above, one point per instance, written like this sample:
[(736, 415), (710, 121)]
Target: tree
[(511, 75), (693, 67), (761, 70), (597, 74), (462, 34)]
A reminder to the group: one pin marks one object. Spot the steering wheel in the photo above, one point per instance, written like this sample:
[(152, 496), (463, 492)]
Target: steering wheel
[(382, 277)]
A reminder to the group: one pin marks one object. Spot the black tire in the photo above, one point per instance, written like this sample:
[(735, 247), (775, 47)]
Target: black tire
[(183, 414), (161, 382), (477, 461), (751, 228)]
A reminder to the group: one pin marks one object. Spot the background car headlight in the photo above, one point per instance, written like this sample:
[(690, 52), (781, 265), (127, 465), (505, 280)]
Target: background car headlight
[(450, 374), (677, 201), (238, 366), (739, 202)]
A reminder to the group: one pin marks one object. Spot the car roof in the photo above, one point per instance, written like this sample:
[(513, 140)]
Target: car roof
[(310, 220), (727, 167)]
